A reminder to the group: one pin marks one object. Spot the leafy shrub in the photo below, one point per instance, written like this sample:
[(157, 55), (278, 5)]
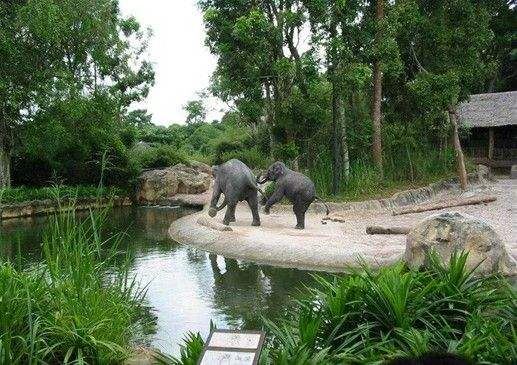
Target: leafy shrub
[(225, 148), (158, 156), (368, 316), (285, 152), (78, 140), (251, 157)]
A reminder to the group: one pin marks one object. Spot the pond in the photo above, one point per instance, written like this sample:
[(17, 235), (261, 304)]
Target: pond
[(187, 288)]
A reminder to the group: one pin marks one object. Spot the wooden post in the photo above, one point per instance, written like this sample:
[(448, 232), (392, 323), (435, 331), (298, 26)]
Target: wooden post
[(490, 149)]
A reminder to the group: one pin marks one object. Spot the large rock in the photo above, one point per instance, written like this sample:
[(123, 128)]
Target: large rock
[(157, 185), (453, 232)]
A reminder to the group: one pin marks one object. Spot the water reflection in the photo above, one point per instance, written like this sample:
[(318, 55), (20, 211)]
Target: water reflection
[(187, 288)]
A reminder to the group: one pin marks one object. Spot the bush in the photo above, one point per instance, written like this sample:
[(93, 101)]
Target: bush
[(78, 140), (158, 157), (79, 306), (251, 157), (370, 316)]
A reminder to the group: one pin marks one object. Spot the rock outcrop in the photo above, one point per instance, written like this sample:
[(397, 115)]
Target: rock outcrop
[(450, 232), (163, 184)]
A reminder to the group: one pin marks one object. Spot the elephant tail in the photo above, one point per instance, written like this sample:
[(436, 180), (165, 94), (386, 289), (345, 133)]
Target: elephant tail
[(324, 203)]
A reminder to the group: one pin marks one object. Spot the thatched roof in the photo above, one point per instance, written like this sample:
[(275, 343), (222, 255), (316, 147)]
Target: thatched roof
[(489, 110)]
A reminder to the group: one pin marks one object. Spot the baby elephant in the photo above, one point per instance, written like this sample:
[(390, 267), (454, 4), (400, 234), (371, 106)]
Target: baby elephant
[(296, 187), (236, 181)]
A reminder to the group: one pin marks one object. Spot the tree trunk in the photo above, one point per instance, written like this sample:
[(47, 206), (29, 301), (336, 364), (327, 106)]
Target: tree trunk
[(344, 146), (460, 160), (5, 168), (337, 113), (444, 204), (270, 118), (337, 137), (377, 96)]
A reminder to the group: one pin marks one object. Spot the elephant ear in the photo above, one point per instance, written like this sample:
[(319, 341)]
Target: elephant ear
[(215, 170)]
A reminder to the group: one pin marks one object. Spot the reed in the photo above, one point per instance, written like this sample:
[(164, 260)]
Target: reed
[(80, 305)]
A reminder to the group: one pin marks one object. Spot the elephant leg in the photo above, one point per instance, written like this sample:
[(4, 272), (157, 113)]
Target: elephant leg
[(230, 214), (299, 211), (253, 203)]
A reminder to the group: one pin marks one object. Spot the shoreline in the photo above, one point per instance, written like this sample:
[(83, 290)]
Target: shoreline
[(50, 206), (336, 246)]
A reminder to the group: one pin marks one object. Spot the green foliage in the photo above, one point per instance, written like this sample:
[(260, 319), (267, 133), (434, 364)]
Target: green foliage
[(237, 142), (285, 152), (196, 112), (158, 157), (74, 140), (190, 351), (58, 192), (79, 306), (405, 167), (367, 316), (66, 85)]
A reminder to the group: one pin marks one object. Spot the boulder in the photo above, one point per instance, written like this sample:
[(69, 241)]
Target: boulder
[(157, 185), (451, 232)]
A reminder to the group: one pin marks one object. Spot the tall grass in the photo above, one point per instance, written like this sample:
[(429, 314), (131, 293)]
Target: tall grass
[(78, 306), (405, 170), (25, 194)]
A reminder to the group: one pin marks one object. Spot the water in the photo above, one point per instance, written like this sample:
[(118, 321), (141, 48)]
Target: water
[(187, 288)]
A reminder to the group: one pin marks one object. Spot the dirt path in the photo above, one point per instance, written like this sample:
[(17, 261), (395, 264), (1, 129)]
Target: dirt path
[(333, 246)]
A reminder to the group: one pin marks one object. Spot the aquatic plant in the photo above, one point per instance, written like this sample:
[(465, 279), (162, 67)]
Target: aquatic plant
[(78, 306)]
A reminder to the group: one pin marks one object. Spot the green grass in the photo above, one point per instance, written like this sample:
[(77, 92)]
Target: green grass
[(25, 194), (78, 306), (368, 317), (402, 172)]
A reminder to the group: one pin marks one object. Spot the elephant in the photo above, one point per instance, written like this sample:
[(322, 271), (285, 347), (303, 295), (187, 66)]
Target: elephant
[(296, 187), (236, 181)]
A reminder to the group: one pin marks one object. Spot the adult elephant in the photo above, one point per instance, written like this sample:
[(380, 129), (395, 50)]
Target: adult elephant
[(236, 181), (296, 187)]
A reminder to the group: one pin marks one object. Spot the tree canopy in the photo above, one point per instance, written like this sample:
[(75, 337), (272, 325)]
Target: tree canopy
[(67, 67)]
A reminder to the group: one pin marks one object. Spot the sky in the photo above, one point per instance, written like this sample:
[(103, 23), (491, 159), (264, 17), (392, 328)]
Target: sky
[(182, 63)]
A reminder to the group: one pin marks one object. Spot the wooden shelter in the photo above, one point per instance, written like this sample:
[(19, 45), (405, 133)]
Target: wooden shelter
[(492, 119)]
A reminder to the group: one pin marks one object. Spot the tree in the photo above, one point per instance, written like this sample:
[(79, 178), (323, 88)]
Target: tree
[(58, 50), (447, 42), (377, 92), (196, 112)]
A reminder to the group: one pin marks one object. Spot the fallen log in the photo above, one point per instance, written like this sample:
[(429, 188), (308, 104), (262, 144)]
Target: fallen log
[(444, 204), (386, 230)]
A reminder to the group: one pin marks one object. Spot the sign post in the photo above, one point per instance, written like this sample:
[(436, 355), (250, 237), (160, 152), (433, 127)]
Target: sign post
[(229, 347)]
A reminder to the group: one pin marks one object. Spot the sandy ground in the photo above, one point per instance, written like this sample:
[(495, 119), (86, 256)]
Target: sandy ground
[(335, 245)]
